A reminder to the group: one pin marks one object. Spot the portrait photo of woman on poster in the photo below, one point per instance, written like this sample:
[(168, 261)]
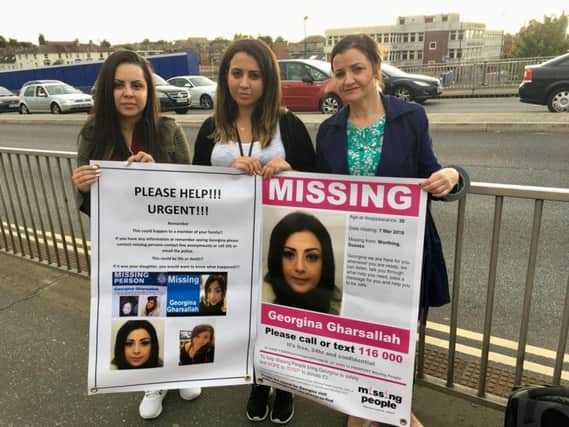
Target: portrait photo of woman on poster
[(300, 264), (212, 300), (128, 305), (150, 306), (136, 346), (198, 346)]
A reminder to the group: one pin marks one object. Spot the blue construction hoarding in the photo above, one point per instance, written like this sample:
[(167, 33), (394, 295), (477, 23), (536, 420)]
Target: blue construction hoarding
[(83, 75)]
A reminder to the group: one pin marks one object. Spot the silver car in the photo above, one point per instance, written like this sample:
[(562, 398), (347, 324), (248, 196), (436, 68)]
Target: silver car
[(53, 96), (201, 88)]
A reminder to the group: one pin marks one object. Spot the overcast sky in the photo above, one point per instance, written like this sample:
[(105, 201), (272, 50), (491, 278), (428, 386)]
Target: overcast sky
[(121, 21)]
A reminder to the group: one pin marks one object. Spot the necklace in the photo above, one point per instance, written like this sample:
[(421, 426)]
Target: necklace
[(241, 145)]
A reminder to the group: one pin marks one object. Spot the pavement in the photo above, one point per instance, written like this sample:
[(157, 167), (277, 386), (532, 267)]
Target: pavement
[(44, 314)]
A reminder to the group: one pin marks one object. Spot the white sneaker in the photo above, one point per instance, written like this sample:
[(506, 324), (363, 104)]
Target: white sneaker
[(190, 393), (151, 405)]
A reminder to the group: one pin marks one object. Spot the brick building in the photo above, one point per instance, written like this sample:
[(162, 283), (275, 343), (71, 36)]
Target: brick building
[(428, 39)]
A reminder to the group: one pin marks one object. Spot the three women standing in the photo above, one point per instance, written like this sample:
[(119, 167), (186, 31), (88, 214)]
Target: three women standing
[(372, 135)]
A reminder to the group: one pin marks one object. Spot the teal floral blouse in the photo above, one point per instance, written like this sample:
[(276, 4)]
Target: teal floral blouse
[(364, 148)]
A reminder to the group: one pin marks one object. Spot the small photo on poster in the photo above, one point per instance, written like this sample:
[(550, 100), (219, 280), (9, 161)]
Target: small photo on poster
[(128, 305), (301, 259), (151, 306), (197, 345), (137, 344), (213, 294)]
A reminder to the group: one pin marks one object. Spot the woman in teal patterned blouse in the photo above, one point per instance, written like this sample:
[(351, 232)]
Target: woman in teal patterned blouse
[(380, 135)]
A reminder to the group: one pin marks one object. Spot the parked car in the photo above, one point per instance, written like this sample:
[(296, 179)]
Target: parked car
[(172, 98), (44, 96), (547, 84), (8, 101), (411, 87), (37, 82), (307, 85), (201, 89)]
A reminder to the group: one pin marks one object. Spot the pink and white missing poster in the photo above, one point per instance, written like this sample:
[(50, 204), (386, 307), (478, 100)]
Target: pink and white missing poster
[(342, 261)]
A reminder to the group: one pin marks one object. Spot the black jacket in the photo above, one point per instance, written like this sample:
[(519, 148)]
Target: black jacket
[(299, 151), (407, 152)]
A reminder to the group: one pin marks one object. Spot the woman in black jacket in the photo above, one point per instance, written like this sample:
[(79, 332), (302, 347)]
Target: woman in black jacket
[(250, 131)]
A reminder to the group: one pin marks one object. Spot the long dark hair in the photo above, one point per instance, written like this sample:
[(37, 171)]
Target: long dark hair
[(212, 278), (293, 223), (150, 298), (267, 111), (202, 328), (120, 360), (103, 127)]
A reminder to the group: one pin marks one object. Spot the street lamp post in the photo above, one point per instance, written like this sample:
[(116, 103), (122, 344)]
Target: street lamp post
[(305, 19)]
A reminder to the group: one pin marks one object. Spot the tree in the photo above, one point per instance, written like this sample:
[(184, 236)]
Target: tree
[(280, 40), (240, 36), (542, 39), (3, 42), (104, 43), (41, 40), (266, 39)]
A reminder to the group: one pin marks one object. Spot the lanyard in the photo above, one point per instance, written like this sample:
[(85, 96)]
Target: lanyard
[(241, 146)]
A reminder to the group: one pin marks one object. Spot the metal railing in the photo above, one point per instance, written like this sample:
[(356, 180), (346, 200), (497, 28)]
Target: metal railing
[(459, 74), (472, 75), (478, 389), (39, 220)]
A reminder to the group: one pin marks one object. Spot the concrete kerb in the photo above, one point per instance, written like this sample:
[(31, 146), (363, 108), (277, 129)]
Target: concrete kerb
[(479, 122)]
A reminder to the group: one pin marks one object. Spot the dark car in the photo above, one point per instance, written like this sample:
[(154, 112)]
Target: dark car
[(411, 87), (172, 98), (8, 101), (547, 84)]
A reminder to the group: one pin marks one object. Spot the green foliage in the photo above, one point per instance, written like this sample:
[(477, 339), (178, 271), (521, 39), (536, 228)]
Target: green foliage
[(13, 43), (239, 36), (542, 39), (105, 43), (279, 39), (41, 40), (266, 39)]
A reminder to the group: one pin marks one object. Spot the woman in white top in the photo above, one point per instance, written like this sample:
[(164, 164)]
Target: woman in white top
[(252, 132)]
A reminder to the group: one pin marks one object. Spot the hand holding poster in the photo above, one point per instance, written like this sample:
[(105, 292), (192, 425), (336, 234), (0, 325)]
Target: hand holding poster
[(174, 277), (366, 236)]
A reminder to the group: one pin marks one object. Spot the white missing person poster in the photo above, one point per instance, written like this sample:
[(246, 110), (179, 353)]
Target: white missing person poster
[(175, 277), (342, 261)]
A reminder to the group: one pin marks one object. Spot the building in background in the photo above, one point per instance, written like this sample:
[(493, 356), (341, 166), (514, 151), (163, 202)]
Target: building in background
[(310, 47), (53, 53), (428, 39)]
